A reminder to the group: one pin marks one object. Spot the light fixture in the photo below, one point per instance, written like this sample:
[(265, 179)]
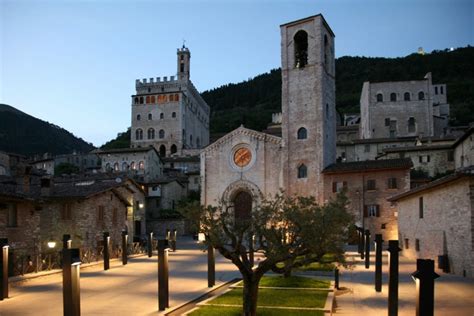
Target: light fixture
[(51, 244), (141, 205), (201, 237)]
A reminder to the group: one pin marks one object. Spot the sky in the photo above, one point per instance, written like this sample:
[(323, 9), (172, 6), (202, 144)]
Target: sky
[(74, 63)]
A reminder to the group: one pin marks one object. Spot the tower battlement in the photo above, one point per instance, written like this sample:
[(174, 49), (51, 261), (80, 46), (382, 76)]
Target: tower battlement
[(152, 81)]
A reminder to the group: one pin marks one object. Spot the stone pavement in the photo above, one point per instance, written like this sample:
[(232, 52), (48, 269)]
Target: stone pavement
[(122, 290), (454, 295)]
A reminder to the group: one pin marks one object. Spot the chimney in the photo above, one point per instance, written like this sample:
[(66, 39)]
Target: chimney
[(46, 185)]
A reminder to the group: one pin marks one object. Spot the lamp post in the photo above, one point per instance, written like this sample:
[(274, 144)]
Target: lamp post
[(378, 262), (211, 264), (424, 277), (124, 247), (174, 235), (359, 237), (367, 248), (3, 268), (51, 245), (71, 282), (67, 241), (106, 251), (163, 275), (393, 250), (150, 245), (336, 278)]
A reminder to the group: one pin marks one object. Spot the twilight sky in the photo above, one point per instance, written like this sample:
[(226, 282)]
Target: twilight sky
[(74, 63)]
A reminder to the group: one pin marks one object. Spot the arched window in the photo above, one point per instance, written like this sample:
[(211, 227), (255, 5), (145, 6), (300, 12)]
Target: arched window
[(191, 140), (421, 95), (411, 125), (139, 134), (301, 49), (162, 116), (107, 167), (141, 165), (153, 99), (136, 100), (141, 100), (133, 166), (393, 96), (302, 171), (161, 133), (176, 97), (379, 97), (327, 110), (124, 166), (151, 133), (173, 149), (147, 99), (302, 133), (198, 142), (116, 166), (406, 96), (139, 117), (173, 115), (162, 151), (150, 116)]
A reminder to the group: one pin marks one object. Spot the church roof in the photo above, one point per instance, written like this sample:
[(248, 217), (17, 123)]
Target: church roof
[(368, 165), (243, 131)]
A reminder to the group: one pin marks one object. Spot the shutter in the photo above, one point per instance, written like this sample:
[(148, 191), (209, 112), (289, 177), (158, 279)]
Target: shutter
[(366, 211), (377, 210), (334, 187)]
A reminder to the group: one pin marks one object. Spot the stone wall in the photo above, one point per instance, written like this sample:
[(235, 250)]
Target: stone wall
[(446, 226), (464, 152), (158, 227)]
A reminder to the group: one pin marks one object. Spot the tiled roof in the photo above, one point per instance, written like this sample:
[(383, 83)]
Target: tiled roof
[(182, 159), (416, 148), (124, 150), (369, 165)]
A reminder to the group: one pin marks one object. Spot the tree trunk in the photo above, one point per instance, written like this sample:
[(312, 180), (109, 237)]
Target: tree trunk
[(250, 295), (288, 267)]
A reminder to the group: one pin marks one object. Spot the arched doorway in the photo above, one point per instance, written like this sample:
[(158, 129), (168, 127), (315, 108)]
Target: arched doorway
[(242, 206), (162, 151)]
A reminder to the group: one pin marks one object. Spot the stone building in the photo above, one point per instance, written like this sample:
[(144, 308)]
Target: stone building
[(85, 162), (368, 185), (464, 150), (403, 108), (170, 114), (437, 219)]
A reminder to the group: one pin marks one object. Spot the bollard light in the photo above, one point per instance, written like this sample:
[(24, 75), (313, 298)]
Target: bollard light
[(393, 250), (378, 262), (424, 277), (124, 247), (71, 282), (201, 237), (211, 265), (336, 278), (51, 244), (367, 248), (3, 268), (150, 245), (163, 275), (67, 242), (106, 251), (174, 236)]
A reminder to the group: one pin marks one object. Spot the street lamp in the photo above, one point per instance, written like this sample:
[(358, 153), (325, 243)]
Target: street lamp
[(51, 244), (3, 268)]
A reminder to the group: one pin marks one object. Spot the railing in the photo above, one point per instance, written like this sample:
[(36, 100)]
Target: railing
[(21, 263)]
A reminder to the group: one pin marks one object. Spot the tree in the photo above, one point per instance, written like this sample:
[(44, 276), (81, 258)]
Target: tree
[(65, 168), (290, 230)]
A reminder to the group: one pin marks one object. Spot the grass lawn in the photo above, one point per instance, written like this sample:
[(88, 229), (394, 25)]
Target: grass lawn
[(220, 311), (269, 297), (293, 281)]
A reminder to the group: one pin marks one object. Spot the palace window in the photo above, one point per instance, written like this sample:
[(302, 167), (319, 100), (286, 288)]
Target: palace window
[(436, 90), (302, 171), (406, 96), (173, 149), (371, 185), (161, 134), (139, 117), (162, 116), (173, 115), (421, 95), (162, 151), (141, 100), (152, 99), (411, 125), (379, 97), (393, 97), (441, 89), (136, 100), (372, 210), (150, 116), (147, 99), (151, 133), (141, 165), (301, 49), (302, 133), (338, 186), (139, 134), (392, 183), (387, 121)]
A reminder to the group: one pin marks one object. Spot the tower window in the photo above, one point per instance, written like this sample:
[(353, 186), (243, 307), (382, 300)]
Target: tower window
[(141, 100), (173, 115), (379, 97), (436, 90), (151, 133), (150, 116), (161, 133), (421, 95), (198, 142), (152, 99), (147, 99), (302, 133), (301, 49), (139, 134), (302, 171), (181, 68), (139, 117), (411, 125), (406, 96), (162, 151), (136, 100), (173, 149), (441, 89), (162, 116), (393, 97)]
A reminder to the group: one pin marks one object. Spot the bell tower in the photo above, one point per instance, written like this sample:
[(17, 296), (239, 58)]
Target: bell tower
[(308, 104), (184, 59)]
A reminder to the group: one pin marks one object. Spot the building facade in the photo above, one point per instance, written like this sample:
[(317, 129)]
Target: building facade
[(169, 113)]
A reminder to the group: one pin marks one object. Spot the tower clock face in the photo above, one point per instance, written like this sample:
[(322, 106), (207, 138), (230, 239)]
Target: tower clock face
[(242, 157)]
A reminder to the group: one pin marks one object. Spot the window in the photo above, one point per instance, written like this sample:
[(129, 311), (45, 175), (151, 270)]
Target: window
[(301, 49), (124, 166), (421, 95), (152, 99), (372, 210), (392, 183), (191, 140), (161, 133), (139, 134), (302, 133), (171, 97), (436, 90), (100, 214), (162, 151), (407, 243), (132, 165), (176, 97), (411, 125), (371, 185), (379, 97), (162, 116), (424, 159), (198, 143), (66, 212), (367, 148), (387, 121), (173, 149), (406, 96), (141, 165), (150, 116), (12, 216), (173, 115), (450, 155), (393, 97), (136, 100), (421, 206), (338, 186), (147, 99), (107, 167), (302, 172), (442, 89), (151, 133), (116, 166), (141, 100), (417, 244), (181, 67)]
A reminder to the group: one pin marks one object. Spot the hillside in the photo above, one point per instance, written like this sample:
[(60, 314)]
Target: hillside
[(252, 102), (24, 134)]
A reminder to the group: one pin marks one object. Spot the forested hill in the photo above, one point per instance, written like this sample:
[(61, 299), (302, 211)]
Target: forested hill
[(252, 102), (26, 135)]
